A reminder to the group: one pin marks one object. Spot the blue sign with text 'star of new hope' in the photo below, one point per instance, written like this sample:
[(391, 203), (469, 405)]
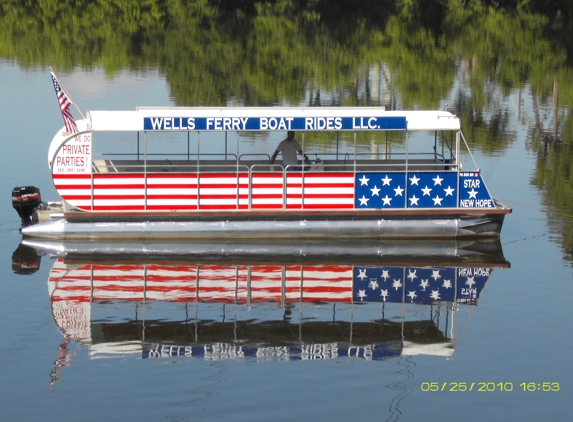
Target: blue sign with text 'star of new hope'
[(273, 123)]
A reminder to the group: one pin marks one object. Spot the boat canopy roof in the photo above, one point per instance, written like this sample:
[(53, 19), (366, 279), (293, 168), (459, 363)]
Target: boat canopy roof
[(270, 119)]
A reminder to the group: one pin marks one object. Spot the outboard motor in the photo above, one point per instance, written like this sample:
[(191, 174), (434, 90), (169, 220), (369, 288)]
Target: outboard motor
[(25, 260), (24, 200)]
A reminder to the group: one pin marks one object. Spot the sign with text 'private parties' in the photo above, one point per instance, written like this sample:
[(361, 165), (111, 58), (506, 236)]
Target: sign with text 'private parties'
[(74, 156)]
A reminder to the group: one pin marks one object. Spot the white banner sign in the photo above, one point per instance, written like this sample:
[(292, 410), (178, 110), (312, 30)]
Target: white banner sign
[(75, 156)]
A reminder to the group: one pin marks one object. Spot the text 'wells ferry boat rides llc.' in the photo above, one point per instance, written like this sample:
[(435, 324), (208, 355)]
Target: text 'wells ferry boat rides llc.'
[(193, 173)]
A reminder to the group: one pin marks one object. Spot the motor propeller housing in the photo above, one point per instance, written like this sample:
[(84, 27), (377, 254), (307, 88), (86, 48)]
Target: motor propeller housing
[(25, 199)]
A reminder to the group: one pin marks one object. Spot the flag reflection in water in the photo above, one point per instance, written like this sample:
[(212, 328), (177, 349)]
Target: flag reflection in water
[(280, 312)]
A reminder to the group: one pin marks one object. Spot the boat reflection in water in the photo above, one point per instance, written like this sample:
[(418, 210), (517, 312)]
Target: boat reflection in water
[(260, 301)]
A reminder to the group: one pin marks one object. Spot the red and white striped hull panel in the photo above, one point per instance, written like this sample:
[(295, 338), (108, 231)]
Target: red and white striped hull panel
[(71, 301), (223, 191), (164, 192), (210, 191), (76, 189), (321, 191), (209, 283)]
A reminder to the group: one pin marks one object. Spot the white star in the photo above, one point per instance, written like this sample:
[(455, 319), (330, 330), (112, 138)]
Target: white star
[(470, 282), (427, 191), (398, 191), (412, 295), (437, 180), (414, 200), (437, 200), (435, 295), (412, 275), (447, 284), (449, 191), (363, 200), (414, 180), (386, 180), (386, 200), (361, 294), (375, 191), (435, 274), (385, 274), (364, 180), (384, 294), (397, 284), (473, 193), (373, 284), (362, 274), (424, 284)]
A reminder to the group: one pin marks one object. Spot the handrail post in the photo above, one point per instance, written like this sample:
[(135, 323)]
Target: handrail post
[(302, 175), (92, 188), (198, 173), (355, 152), (285, 188), (145, 171), (238, 173), (250, 187)]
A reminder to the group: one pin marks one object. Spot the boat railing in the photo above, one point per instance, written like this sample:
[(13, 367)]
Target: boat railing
[(265, 157), (247, 184), (225, 166), (391, 166), (131, 162), (190, 156), (469, 150), (217, 168)]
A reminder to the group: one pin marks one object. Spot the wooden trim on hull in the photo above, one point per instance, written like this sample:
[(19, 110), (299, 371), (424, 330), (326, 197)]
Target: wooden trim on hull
[(243, 215)]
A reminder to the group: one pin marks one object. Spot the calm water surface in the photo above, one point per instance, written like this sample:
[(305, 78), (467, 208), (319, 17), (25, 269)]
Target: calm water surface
[(315, 361)]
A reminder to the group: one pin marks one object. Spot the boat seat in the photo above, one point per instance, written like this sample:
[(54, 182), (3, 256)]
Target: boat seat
[(103, 166)]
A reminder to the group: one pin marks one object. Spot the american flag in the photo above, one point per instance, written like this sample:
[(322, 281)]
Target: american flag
[(265, 283), (414, 190), (75, 189), (425, 285), (65, 104), (320, 190), (379, 284), (223, 191), (419, 284), (432, 190), (409, 285), (211, 191), (119, 192), (204, 283), (314, 190), (377, 190)]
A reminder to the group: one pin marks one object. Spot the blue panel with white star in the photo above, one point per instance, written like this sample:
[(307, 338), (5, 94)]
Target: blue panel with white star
[(473, 192), (421, 190), (380, 284), (471, 282), (432, 190), (427, 285), (380, 190)]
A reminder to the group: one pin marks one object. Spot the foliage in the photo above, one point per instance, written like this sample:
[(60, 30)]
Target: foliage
[(395, 53)]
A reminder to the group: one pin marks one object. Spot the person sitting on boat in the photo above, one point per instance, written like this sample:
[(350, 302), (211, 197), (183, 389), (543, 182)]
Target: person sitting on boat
[(289, 147)]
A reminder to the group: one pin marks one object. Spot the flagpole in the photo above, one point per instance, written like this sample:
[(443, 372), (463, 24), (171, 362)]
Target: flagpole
[(67, 93)]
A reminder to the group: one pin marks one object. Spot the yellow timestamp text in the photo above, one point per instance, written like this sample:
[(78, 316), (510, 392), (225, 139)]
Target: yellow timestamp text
[(489, 387)]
